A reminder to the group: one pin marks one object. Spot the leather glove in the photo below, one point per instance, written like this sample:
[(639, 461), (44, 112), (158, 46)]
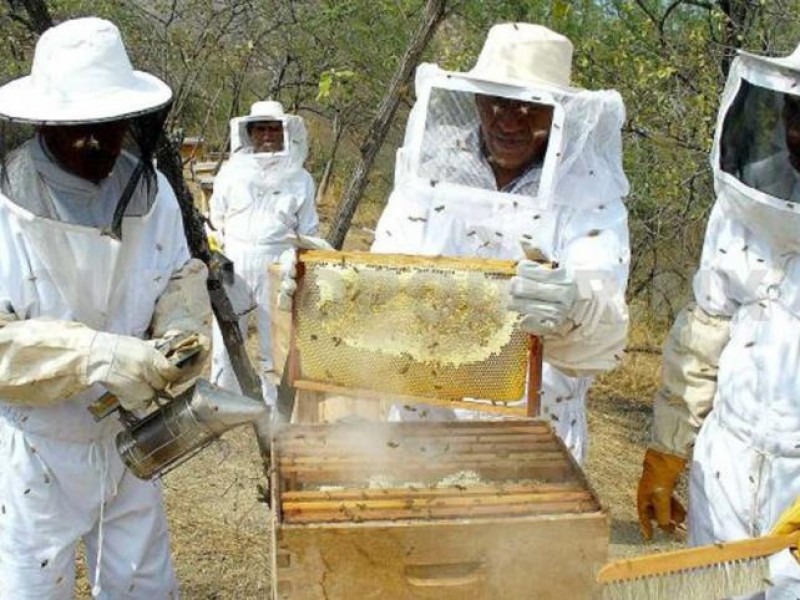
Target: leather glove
[(543, 295), (287, 264), (654, 498), (789, 522), (131, 369)]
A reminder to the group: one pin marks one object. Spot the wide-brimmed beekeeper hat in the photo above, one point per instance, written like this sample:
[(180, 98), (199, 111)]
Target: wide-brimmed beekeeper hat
[(524, 54), (81, 74)]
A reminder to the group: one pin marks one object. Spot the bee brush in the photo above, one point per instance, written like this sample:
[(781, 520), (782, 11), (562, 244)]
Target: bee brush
[(703, 573)]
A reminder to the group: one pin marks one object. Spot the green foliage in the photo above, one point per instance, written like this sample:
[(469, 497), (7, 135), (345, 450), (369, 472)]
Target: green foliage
[(332, 60)]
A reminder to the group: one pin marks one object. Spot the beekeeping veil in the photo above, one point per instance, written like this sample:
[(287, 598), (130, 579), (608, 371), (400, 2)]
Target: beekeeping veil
[(447, 152), (756, 151), (81, 75), (283, 160)]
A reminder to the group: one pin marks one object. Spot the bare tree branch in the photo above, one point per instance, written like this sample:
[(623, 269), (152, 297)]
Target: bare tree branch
[(432, 17)]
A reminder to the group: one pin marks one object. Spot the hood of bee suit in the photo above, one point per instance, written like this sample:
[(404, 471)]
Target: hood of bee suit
[(582, 166), (269, 167), (756, 178)]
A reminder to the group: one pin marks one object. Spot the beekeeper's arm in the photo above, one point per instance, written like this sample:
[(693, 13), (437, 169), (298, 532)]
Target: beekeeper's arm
[(45, 361), (689, 384), (579, 306), (307, 217)]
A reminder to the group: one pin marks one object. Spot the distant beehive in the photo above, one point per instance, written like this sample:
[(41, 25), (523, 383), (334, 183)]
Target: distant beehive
[(192, 148)]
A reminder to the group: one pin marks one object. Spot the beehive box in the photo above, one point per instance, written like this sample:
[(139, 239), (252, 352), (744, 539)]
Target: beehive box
[(467, 510)]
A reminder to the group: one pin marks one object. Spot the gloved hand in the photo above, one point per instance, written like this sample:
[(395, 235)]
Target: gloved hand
[(288, 266), (543, 295), (130, 368), (789, 522), (654, 498)]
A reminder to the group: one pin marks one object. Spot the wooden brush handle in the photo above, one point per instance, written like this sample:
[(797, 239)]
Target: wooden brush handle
[(695, 558)]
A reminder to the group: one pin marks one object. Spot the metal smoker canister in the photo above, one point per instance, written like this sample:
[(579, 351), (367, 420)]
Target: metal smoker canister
[(183, 427)]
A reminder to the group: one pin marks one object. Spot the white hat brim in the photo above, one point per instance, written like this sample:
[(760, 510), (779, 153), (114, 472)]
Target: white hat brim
[(21, 100), (478, 77)]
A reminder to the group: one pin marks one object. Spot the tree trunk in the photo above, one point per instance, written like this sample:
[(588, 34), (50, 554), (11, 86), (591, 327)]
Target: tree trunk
[(433, 15), (38, 15), (325, 180)]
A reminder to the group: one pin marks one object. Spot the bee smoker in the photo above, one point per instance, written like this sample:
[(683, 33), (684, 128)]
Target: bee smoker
[(179, 429)]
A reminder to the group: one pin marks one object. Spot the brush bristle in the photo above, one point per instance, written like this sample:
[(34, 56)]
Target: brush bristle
[(716, 581)]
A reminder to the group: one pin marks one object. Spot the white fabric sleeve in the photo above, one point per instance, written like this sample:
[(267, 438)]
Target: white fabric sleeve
[(697, 340), (598, 254), (308, 219), (689, 378), (45, 361)]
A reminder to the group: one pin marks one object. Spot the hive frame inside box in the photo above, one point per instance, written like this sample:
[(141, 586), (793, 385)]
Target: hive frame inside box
[(531, 368), (545, 541)]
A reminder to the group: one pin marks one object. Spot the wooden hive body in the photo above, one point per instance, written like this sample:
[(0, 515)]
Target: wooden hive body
[(474, 510)]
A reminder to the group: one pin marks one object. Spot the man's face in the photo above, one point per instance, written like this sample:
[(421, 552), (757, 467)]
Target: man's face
[(515, 132), (791, 120), (267, 136), (88, 151)]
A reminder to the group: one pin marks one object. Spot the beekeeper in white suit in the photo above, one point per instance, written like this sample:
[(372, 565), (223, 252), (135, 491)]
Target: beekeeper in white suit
[(263, 199), (509, 157), (81, 293), (729, 400)]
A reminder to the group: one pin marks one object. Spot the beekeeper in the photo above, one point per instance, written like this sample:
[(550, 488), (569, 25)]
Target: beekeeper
[(728, 404), (263, 199), (507, 159), (94, 269)]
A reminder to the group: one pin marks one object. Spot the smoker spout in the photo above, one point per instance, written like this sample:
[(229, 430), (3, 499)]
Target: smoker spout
[(220, 410)]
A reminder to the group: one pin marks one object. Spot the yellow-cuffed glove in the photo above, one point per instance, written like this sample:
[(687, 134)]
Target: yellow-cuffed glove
[(789, 522), (654, 498)]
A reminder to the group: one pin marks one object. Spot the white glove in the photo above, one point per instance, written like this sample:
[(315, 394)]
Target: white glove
[(543, 296), (130, 368), (287, 263)]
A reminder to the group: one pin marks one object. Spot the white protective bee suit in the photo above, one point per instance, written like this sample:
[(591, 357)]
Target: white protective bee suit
[(734, 357), (569, 206), (72, 296), (260, 201)]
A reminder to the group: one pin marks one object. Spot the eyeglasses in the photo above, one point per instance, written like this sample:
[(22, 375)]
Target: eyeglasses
[(494, 106)]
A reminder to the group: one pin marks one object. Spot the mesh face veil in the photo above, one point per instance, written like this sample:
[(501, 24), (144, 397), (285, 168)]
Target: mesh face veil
[(760, 143), (27, 180), (281, 158), (486, 137), (756, 152)]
